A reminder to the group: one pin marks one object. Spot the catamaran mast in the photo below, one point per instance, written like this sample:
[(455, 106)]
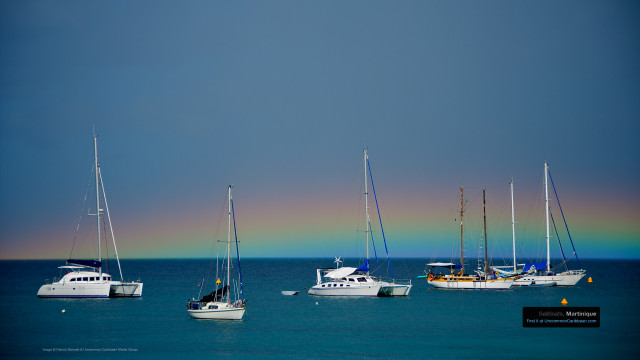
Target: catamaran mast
[(484, 212), (546, 198), (513, 226), (95, 147), (366, 206), (461, 231), (229, 250)]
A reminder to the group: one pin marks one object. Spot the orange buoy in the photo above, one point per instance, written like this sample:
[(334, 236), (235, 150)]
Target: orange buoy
[(589, 280), (564, 302)]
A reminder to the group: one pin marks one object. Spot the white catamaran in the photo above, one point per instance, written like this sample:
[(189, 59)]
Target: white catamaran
[(218, 305), (84, 278), (351, 281), (482, 280), (541, 274)]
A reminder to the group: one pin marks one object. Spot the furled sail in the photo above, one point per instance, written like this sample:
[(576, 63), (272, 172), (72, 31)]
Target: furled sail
[(216, 295)]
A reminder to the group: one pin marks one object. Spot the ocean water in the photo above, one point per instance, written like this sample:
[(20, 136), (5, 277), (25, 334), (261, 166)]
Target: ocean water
[(436, 324)]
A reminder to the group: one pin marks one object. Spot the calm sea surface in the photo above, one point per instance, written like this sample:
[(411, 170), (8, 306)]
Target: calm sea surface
[(427, 324)]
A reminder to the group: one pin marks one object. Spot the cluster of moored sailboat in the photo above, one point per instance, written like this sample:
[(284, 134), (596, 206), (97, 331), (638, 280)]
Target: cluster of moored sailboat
[(502, 278), (85, 278)]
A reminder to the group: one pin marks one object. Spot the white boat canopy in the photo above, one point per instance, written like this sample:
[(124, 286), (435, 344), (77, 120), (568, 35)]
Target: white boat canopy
[(340, 273), (445, 265), (71, 267)]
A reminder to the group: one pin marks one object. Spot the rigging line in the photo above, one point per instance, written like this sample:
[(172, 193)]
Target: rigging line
[(235, 233), (564, 259), (374, 251), (82, 207), (215, 243), (563, 218), (106, 246), (379, 218)]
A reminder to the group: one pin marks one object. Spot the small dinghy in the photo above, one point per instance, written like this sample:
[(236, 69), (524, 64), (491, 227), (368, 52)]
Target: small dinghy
[(285, 292)]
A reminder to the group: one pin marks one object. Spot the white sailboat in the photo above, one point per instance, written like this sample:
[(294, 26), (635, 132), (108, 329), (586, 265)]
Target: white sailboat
[(84, 278), (351, 281), (541, 274), (218, 305), (482, 280)]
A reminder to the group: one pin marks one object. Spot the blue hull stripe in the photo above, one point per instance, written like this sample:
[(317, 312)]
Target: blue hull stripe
[(74, 296)]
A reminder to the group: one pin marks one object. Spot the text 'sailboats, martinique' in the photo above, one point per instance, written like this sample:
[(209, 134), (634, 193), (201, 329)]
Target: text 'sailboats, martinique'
[(218, 305), (84, 278), (351, 281), (540, 274), (482, 280)]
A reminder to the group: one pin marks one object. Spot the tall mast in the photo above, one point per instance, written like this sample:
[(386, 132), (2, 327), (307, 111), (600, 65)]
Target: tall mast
[(513, 227), (484, 212), (546, 200), (95, 147), (461, 231), (229, 250), (366, 205)]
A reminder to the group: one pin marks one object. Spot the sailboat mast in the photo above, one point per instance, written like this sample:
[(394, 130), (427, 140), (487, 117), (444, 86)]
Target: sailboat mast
[(95, 147), (366, 204), (546, 199), (229, 250), (513, 227), (484, 212), (461, 231)]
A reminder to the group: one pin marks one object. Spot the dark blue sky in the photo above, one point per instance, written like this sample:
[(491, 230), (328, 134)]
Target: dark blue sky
[(281, 96)]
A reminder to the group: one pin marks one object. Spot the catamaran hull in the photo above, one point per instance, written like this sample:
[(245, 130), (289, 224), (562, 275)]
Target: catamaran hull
[(395, 290), (217, 314), (563, 279), (74, 291), (367, 290), (497, 284), (127, 289)]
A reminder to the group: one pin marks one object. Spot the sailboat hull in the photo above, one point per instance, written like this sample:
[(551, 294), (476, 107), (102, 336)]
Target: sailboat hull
[(125, 289), (217, 311), (363, 290), (67, 290), (394, 290), (492, 284), (568, 278)]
